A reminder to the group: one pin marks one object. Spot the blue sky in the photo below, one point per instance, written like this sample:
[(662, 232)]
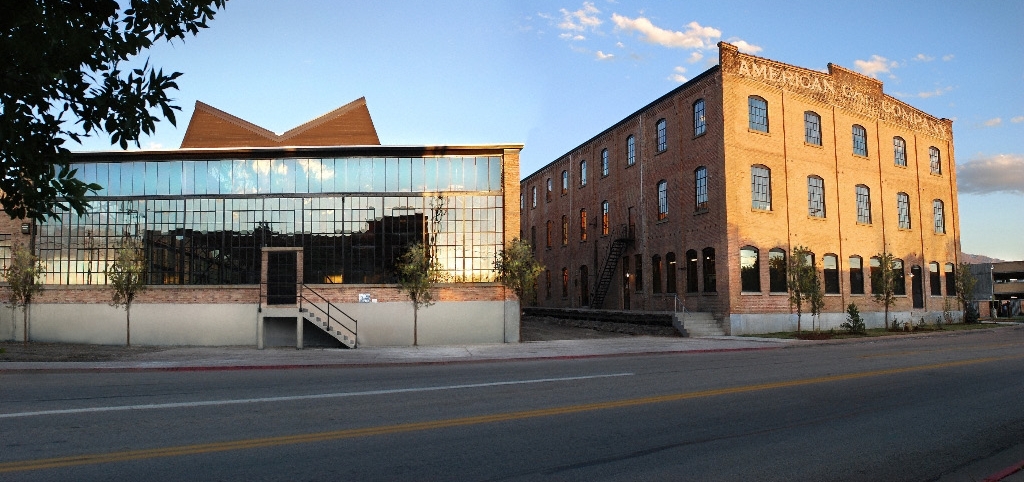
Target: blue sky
[(552, 74)]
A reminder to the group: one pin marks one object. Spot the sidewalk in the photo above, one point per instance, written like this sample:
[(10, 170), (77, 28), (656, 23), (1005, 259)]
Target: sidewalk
[(243, 358)]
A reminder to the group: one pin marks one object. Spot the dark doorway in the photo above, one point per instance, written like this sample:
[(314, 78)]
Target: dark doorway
[(917, 286), (282, 276)]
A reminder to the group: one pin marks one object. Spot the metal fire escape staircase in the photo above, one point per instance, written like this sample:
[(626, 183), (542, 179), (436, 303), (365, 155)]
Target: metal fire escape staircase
[(619, 244)]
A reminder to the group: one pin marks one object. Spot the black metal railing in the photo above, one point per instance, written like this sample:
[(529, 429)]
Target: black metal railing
[(305, 302)]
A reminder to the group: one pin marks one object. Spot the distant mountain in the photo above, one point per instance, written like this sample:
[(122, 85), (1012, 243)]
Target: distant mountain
[(978, 259)]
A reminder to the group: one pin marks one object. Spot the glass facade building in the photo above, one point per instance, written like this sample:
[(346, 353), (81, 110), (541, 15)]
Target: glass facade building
[(203, 216)]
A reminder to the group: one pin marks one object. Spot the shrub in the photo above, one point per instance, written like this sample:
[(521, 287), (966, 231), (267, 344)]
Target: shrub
[(971, 314), (854, 323)]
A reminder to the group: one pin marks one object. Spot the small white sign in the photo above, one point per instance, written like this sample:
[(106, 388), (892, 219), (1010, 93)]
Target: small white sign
[(364, 297)]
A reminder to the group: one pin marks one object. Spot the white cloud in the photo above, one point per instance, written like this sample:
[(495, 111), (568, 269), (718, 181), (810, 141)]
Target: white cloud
[(990, 174), (745, 47), (695, 36), (1018, 119), (695, 57), (877, 65), (580, 20), (603, 56), (947, 57), (678, 76), (571, 36), (620, 45), (153, 146), (545, 16), (993, 122), (923, 58), (934, 93)]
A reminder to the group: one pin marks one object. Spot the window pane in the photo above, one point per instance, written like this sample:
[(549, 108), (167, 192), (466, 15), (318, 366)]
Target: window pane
[(699, 123), (750, 273), (761, 194), (860, 141), (815, 197), (812, 128), (899, 148), (758, 113)]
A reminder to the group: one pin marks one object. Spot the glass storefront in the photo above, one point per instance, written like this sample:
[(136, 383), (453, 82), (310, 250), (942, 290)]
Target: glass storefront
[(205, 221)]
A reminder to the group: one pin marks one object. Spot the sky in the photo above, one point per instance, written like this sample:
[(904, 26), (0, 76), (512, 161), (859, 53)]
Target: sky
[(552, 74)]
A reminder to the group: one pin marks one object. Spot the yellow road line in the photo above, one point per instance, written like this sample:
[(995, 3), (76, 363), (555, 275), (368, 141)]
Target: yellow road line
[(129, 455)]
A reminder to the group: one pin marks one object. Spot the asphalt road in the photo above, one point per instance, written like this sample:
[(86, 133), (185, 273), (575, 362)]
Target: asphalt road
[(895, 409)]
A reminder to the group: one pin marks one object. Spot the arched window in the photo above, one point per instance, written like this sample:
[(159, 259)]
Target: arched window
[(584, 286), (551, 187), (856, 275), (750, 270), (548, 236), (691, 271), (630, 151), (700, 178), (758, 110), (565, 182), (662, 199), (863, 204), (583, 224), (670, 272), (522, 201), (565, 230), (950, 279), (565, 282), (830, 265), (876, 265), (935, 159), (940, 217), (860, 140), (662, 128), (605, 222), (583, 172), (934, 279), (815, 197), (899, 151), (761, 187), (604, 162), (777, 271), (709, 270), (534, 203), (655, 274), (903, 210), (812, 128), (899, 278), (699, 123)]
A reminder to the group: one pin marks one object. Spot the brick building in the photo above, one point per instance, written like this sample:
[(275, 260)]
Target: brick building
[(697, 199), (241, 227)]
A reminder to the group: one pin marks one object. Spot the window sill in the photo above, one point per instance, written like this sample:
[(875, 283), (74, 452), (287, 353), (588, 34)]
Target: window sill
[(936, 174), (904, 229), (901, 166), (700, 211), (778, 293), (751, 293), (755, 131), (702, 134), (758, 210), (862, 156), (861, 223), (818, 146), (630, 165), (658, 153), (662, 221), (816, 218), (709, 293), (833, 295), (940, 234)]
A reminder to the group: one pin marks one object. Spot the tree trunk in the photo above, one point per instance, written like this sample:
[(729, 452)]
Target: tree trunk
[(128, 325), (415, 331), (24, 324), (886, 317)]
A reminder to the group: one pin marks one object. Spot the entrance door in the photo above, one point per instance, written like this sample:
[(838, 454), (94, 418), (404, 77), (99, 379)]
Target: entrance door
[(917, 286), (282, 277)]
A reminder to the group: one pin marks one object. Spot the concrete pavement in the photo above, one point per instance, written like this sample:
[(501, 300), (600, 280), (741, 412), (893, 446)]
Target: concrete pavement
[(243, 358)]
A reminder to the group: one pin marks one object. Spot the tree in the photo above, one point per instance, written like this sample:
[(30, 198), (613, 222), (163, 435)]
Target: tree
[(126, 276), (418, 272), (518, 269), (803, 283), (22, 276), (883, 283), (70, 71), (965, 281)]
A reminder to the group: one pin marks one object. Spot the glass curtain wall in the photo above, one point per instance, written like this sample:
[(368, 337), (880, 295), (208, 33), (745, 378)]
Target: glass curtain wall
[(205, 221)]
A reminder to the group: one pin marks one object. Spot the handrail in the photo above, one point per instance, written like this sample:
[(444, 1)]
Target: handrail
[(327, 312)]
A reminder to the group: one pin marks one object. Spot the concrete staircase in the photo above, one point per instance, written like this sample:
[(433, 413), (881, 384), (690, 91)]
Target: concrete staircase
[(697, 324), (330, 326)]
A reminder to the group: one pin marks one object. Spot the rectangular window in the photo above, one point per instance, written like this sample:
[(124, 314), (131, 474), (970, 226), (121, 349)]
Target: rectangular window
[(604, 162), (815, 197), (940, 218), (935, 279), (758, 110), (903, 210), (863, 204), (860, 140), (935, 159), (812, 128), (630, 151), (662, 200), (950, 279), (856, 276), (760, 188), (5, 251), (583, 173), (831, 265), (565, 182), (604, 218), (551, 187), (583, 224), (662, 135)]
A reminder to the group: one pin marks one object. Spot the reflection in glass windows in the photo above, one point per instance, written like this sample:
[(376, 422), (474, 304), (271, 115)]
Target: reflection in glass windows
[(205, 222), (777, 271)]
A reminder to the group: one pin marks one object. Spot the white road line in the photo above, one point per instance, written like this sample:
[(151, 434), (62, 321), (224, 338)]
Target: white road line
[(156, 406)]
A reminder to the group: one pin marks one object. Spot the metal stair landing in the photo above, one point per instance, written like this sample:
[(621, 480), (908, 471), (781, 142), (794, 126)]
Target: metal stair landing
[(615, 251)]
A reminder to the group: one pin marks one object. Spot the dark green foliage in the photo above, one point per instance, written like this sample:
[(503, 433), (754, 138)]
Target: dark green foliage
[(65, 77), (803, 283), (854, 323)]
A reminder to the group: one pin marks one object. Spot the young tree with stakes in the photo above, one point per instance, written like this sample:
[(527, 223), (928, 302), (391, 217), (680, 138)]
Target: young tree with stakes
[(518, 269), (965, 281), (803, 283), (418, 272), (126, 276), (22, 276), (883, 283)]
